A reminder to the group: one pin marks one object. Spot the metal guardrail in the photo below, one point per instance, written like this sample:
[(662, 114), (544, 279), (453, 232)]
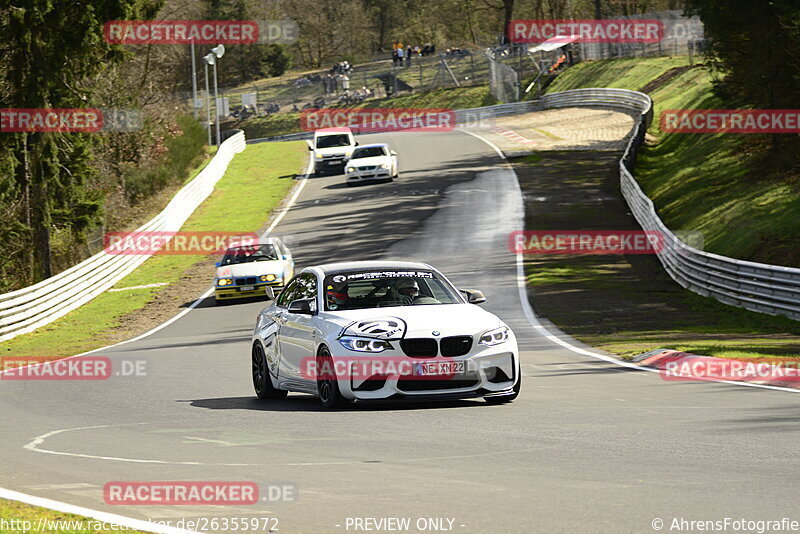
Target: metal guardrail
[(34, 306), (463, 116), (760, 287)]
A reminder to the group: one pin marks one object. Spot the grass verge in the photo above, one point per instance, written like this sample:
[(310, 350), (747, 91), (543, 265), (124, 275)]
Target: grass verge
[(255, 183), (53, 522), (707, 183), (631, 73), (713, 183), (626, 304)]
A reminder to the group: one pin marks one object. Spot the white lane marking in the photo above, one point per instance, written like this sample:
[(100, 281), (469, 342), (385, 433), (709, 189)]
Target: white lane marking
[(38, 440), (157, 284), (134, 524), (534, 321), (215, 441)]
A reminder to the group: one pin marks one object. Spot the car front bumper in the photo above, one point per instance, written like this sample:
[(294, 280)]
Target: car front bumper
[(364, 176), (491, 370), (334, 163), (235, 292)]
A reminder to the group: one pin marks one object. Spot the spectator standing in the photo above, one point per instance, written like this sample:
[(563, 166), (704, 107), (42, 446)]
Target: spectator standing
[(409, 51), (400, 54)]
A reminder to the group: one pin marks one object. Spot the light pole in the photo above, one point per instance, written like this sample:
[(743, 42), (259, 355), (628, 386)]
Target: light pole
[(194, 82), (216, 53), (208, 60)]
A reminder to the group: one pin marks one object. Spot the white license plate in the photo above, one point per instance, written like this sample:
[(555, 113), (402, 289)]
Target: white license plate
[(439, 368), (247, 288)]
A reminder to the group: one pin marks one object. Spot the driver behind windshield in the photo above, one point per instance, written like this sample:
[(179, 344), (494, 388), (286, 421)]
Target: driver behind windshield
[(337, 296), (247, 254), (406, 290)]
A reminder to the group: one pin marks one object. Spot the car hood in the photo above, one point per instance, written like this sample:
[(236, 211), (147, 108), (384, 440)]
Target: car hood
[(253, 268), (417, 321), (364, 162)]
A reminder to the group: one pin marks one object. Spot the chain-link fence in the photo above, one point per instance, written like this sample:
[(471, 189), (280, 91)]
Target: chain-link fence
[(535, 67), (344, 84), (682, 36), (504, 81)]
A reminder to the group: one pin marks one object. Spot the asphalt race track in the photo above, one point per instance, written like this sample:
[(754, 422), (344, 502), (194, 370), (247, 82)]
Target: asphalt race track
[(587, 447)]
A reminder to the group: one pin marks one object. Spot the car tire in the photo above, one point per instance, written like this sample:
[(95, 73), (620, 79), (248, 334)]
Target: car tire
[(504, 399), (262, 382), (328, 387)]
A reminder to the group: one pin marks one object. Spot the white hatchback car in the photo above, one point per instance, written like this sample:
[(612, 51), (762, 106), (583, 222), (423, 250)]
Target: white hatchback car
[(370, 331), (371, 163)]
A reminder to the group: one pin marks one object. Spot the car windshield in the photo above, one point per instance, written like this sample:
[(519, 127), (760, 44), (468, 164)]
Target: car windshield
[(329, 141), (246, 254), (377, 289), (368, 152)]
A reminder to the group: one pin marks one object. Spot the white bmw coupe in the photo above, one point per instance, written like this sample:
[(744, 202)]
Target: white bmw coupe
[(372, 331)]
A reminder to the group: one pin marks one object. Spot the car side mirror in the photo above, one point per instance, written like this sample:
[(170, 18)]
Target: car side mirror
[(309, 145), (301, 306), (270, 293), (355, 143), (393, 153), (217, 264), (474, 296)]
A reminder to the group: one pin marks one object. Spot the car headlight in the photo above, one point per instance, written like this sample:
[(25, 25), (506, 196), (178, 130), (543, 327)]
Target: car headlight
[(494, 337), (268, 277), (383, 166), (360, 344), (319, 156), (351, 169), (224, 281)]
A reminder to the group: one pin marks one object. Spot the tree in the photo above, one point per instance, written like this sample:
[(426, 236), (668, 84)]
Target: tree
[(52, 49), (248, 61), (506, 7), (754, 45)]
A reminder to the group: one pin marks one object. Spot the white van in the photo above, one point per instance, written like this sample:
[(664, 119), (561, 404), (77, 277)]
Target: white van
[(332, 148)]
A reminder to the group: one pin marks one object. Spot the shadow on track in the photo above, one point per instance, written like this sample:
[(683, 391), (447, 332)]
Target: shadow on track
[(309, 403)]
